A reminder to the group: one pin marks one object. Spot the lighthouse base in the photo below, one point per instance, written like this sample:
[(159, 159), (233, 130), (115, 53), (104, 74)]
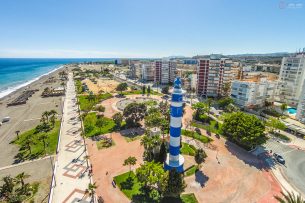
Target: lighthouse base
[(178, 165)]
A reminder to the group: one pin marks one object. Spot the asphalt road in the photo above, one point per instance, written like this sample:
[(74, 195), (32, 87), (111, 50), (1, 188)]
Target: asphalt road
[(294, 168)]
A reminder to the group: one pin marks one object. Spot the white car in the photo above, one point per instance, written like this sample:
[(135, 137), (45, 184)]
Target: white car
[(6, 119)]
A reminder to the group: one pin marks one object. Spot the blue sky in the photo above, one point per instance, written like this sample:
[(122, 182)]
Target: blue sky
[(149, 28)]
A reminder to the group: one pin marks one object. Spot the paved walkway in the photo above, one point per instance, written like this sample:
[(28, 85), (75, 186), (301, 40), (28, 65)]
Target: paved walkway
[(71, 168)]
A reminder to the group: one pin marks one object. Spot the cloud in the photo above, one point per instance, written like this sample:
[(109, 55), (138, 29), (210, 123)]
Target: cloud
[(60, 53)]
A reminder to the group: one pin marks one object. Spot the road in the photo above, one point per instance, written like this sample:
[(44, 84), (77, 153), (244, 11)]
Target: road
[(294, 168)]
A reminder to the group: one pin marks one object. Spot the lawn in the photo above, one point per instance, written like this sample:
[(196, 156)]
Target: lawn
[(92, 130), (87, 105), (192, 170), (189, 198), (131, 92), (78, 85), (128, 184), (214, 127), (102, 144), (281, 136), (37, 146), (195, 135), (188, 149), (132, 136)]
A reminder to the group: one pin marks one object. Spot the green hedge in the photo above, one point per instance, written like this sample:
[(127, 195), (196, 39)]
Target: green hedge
[(195, 135)]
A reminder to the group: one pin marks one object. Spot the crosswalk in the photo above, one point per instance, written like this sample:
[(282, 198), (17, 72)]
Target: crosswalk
[(277, 147)]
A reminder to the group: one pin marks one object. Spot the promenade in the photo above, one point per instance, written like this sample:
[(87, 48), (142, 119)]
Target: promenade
[(71, 168)]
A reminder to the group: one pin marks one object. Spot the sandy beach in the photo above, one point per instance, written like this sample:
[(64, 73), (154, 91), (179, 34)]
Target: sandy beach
[(25, 117)]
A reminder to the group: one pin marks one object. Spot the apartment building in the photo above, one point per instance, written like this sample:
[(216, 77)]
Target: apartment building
[(254, 92), (212, 73), (300, 116), (292, 76), (164, 71), (148, 72), (134, 71)]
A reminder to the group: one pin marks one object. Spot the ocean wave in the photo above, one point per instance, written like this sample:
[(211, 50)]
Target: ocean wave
[(12, 89)]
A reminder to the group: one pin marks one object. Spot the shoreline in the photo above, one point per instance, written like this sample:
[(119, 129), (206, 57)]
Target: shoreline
[(20, 88)]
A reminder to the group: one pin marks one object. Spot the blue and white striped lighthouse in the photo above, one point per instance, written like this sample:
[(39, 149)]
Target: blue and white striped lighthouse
[(174, 158)]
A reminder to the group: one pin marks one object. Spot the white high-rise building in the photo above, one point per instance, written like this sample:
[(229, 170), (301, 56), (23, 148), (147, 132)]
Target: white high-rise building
[(253, 93), (148, 72), (292, 77)]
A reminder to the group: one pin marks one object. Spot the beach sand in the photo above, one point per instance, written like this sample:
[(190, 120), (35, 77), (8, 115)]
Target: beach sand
[(25, 117)]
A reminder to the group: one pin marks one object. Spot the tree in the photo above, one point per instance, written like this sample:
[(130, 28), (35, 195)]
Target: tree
[(284, 108), (52, 115), (289, 198), (143, 89), (200, 156), (200, 108), (150, 174), (209, 103), (100, 108), (20, 178), (45, 117), (134, 113), (153, 119), (15, 190), (91, 97), (165, 90), (91, 189), (273, 123), (43, 137), (130, 161), (162, 153), (226, 89), (28, 142), (148, 90), (172, 184), (244, 129), (150, 143), (121, 87), (100, 122), (222, 103), (117, 118), (17, 133)]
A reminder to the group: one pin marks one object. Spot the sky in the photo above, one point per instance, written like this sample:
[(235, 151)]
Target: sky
[(149, 28)]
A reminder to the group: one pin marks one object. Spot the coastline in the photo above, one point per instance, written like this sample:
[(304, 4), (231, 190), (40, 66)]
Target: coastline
[(20, 88)]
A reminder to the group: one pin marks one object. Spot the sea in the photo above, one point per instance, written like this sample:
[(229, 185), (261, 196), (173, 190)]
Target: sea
[(19, 72)]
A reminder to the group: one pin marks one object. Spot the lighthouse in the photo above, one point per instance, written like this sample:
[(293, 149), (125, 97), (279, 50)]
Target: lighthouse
[(174, 159)]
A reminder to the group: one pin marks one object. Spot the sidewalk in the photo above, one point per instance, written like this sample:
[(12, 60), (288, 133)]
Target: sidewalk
[(71, 169), (295, 141)]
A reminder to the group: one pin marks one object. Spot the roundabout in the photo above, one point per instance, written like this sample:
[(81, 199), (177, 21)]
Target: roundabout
[(121, 104)]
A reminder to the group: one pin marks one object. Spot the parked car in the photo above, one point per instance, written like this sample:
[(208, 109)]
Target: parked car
[(6, 119), (279, 158)]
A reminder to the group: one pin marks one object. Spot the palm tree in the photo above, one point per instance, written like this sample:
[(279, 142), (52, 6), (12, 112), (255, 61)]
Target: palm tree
[(289, 198), (283, 108), (8, 187), (43, 138), (52, 113), (17, 133), (209, 102), (131, 161), (91, 189), (45, 117), (28, 142), (20, 178)]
